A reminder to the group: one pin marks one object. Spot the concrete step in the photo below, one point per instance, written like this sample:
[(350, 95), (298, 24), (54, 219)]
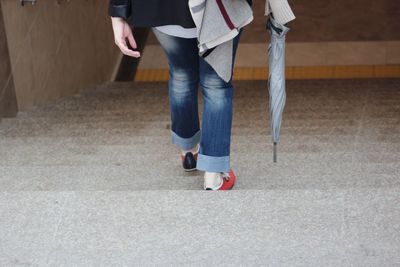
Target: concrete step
[(137, 146), (129, 97), (251, 174), (94, 180), (281, 227)]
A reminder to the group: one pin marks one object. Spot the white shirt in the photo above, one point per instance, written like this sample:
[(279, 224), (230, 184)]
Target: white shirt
[(178, 31)]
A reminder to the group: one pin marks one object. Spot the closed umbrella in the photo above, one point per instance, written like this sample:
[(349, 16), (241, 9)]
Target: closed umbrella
[(276, 78)]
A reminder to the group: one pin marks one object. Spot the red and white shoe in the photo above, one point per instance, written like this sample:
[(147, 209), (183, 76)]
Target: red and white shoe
[(228, 181)]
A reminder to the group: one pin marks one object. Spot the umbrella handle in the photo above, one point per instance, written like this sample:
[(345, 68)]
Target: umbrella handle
[(275, 151)]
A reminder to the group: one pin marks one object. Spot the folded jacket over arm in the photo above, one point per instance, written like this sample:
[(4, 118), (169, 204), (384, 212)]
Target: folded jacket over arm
[(280, 9), (218, 22)]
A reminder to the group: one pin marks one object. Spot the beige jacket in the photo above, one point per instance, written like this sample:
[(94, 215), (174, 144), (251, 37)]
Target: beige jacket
[(280, 9)]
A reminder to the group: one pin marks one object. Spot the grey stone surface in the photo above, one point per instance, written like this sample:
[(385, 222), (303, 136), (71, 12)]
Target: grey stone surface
[(348, 227), (93, 180), (335, 134)]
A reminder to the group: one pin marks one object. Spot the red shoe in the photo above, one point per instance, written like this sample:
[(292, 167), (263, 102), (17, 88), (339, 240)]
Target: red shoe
[(228, 181)]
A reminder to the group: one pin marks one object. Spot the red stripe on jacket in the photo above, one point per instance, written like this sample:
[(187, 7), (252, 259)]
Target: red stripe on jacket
[(225, 15)]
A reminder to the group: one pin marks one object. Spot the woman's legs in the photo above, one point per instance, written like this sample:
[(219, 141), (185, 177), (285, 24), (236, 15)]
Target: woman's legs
[(183, 60), (214, 154), (187, 69)]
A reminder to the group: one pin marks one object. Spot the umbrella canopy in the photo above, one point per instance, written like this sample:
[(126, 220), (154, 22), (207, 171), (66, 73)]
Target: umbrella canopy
[(276, 78)]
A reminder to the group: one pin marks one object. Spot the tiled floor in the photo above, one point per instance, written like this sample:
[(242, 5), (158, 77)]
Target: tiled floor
[(292, 73), (318, 60)]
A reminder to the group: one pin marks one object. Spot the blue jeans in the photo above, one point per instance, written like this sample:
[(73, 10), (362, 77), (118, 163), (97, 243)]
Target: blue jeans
[(186, 70)]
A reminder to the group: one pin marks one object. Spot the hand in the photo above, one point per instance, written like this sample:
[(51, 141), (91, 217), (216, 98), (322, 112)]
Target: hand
[(123, 31)]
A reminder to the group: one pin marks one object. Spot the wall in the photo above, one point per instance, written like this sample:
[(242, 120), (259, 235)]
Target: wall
[(58, 49), (328, 39), (330, 21), (8, 104), (334, 21)]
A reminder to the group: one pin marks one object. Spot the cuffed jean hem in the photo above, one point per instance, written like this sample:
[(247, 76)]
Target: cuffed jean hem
[(186, 143), (213, 164)]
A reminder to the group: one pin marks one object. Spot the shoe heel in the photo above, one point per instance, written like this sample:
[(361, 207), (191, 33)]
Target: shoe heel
[(189, 162)]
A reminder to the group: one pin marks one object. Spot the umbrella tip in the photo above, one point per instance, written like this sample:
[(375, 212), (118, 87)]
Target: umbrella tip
[(275, 151)]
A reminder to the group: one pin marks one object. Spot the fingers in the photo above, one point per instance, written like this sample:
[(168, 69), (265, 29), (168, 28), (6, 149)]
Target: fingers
[(132, 41), (121, 43), (122, 31)]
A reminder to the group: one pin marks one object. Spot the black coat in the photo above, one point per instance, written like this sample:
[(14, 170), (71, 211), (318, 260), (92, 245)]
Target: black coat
[(151, 13)]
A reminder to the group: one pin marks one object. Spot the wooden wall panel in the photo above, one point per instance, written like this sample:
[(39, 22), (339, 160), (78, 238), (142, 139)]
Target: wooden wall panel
[(8, 103)]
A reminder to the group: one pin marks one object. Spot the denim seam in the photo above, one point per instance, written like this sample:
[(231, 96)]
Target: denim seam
[(212, 163), (186, 143)]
